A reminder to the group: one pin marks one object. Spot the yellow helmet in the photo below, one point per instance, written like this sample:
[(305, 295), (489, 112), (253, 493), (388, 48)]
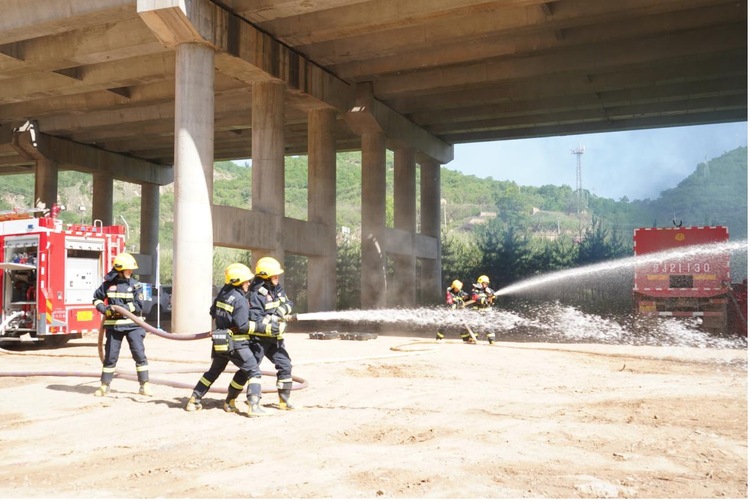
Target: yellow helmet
[(483, 280), (457, 284), (237, 273), (267, 267), (124, 261)]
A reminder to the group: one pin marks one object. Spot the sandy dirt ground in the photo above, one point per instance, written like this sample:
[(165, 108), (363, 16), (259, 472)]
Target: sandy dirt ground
[(398, 416)]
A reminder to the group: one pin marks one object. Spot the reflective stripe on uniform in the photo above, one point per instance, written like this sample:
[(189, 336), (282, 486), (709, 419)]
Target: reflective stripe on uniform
[(225, 306), (118, 321)]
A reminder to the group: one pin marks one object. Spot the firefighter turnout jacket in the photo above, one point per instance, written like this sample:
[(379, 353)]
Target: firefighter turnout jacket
[(231, 312), (119, 291), (269, 305), (455, 298), (483, 296)]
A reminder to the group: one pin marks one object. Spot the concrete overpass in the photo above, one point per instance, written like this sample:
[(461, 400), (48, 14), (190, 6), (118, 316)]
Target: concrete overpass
[(154, 91)]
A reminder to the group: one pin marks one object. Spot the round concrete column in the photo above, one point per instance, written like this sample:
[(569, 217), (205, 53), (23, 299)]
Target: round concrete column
[(150, 227), (268, 164), (321, 202), (45, 181), (373, 274), (430, 224), (193, 188), (404, 218), (101, 203)]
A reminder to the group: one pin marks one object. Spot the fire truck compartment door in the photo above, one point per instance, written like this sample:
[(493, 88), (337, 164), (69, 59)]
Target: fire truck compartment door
[(19, 242), (84, 244)]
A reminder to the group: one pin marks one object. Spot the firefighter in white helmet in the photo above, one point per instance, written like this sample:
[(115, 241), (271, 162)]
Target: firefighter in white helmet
[(483, 298), (455, 297), (121, 289), (269, 307), (231, 342)]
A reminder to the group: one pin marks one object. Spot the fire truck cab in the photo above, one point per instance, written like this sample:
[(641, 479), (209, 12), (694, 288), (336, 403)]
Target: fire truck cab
[(49, 274)]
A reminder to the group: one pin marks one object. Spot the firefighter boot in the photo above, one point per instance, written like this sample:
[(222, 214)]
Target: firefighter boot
[(440, 336), (285, 393), (102, 390), (193, 403), (231, 406), (146, 389), (254, 408), (491, 338)]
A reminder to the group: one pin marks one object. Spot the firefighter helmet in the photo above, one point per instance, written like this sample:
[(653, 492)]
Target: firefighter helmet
[(457, 285), (124, 261), (237, 273), (267, 267), (483, 280)]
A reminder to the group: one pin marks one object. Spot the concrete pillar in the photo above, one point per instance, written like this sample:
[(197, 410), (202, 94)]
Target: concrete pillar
[(193, 188), (150, 228), (430, 225), (373, 274), (45, 181), (405, 218), (268, 161), (321, 203), (101, 202)]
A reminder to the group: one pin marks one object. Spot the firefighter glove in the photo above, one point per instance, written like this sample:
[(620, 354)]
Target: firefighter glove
[(110, 312), (101, 308)]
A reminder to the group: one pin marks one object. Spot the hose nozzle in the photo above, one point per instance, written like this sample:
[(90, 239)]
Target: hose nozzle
[(291, 318)]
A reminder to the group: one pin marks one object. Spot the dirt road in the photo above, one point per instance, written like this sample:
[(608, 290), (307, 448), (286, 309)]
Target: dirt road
[(424, 420)]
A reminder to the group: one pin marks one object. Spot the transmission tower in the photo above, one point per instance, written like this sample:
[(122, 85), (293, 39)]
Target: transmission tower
[(578, 152)]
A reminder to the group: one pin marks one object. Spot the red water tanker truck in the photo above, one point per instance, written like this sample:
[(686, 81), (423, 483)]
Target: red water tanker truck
[(688, 284)]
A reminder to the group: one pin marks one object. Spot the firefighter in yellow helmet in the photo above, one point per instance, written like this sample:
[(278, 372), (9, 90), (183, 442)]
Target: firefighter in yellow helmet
[(483, 298), (455, 297), (121, 289), (231, 342), (269, 307)]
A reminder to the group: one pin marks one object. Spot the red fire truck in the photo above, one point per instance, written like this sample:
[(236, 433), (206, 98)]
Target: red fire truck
[(690, 283), (49, 274)]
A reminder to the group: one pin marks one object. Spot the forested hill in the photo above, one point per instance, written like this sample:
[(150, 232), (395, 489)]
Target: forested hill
[(714, 194)]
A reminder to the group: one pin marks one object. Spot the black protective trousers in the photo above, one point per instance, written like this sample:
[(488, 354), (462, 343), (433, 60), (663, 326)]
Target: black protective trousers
[(275, 351), (112, 348), (242, 357)]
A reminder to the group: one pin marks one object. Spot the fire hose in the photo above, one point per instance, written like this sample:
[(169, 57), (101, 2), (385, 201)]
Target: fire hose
[(298, 382)]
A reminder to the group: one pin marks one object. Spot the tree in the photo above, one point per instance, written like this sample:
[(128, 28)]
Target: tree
[(599, 244), (460, 258), (506, 252)]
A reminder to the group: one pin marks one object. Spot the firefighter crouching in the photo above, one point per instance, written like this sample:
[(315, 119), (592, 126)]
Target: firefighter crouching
[(269, 305), (483, 298), (121, 289), (455, 298), (231, 342)]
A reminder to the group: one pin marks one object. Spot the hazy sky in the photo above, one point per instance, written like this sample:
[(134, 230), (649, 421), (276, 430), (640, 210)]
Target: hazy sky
[(637, 164)]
